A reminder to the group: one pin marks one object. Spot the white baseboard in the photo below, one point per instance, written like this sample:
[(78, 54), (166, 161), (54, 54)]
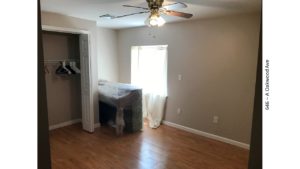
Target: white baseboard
[(68, 123), (63, 124), (208, 135)]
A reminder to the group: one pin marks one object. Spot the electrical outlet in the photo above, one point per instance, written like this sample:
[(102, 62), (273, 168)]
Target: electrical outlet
[(216, 119), (178, 111)]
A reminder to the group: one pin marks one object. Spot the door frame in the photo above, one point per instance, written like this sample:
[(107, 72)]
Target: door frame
[(90, 104)]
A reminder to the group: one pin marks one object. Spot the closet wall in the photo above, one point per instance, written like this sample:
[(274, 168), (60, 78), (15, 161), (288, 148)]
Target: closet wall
[(63, 91)]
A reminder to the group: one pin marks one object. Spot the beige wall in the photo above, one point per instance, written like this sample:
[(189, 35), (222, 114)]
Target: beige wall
[(217, 60), (67, 105), (58, 20), (108, 67)]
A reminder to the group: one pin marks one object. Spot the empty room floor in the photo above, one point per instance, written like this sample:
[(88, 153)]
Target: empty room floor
[(162, 148)]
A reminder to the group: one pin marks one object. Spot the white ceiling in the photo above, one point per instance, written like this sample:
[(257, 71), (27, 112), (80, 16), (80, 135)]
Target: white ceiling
[(92, 9)]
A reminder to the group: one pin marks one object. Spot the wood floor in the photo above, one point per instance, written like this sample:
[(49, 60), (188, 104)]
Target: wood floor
[(162, 148)]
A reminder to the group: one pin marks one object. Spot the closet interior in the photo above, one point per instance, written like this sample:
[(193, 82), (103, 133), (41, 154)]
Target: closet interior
[(63, 79)]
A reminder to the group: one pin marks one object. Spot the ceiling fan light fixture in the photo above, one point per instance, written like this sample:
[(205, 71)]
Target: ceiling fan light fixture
[(160, 21), (155, 20)]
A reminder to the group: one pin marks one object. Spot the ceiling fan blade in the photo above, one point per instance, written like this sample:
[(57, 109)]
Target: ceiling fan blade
[(177, 5), (136, 7), (121, 16), (176, 13)]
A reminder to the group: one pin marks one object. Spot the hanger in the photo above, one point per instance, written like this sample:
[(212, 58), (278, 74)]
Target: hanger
[(74, 67), (70, 69), (62, 69), (46, 70)]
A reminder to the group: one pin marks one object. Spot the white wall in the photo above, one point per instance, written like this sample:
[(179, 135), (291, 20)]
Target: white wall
[(217, 59), (108, 67)]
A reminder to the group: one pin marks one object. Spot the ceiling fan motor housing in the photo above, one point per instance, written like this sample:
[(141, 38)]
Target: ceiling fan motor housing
[(155, 4)]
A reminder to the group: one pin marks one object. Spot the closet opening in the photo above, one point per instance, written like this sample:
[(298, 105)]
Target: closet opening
[(67, 75)]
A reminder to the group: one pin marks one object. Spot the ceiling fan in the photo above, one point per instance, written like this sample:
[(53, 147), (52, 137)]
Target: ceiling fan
[(155, 8)]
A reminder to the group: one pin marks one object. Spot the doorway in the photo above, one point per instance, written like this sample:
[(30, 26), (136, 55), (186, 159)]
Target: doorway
[(74, 90)]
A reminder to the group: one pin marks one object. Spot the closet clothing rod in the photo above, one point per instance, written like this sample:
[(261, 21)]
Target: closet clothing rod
[(60, 60)]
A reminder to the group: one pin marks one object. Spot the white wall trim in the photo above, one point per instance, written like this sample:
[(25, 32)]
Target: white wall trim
[(208, 135), (63, 29), (68, 123), (63, 124)]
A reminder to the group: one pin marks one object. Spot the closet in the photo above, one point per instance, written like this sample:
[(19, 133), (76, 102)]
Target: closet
[(63, 78)]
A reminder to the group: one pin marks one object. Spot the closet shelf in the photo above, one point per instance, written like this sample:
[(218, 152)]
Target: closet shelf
[(60, 60)]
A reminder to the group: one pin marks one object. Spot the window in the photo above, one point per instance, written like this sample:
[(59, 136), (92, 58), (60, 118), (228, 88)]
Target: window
[(149, 68)]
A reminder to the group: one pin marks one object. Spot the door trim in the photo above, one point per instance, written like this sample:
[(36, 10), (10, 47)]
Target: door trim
[(63, 29), (80, 31)]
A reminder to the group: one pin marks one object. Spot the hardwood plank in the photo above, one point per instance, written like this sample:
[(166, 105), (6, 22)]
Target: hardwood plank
[(162, 148)]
